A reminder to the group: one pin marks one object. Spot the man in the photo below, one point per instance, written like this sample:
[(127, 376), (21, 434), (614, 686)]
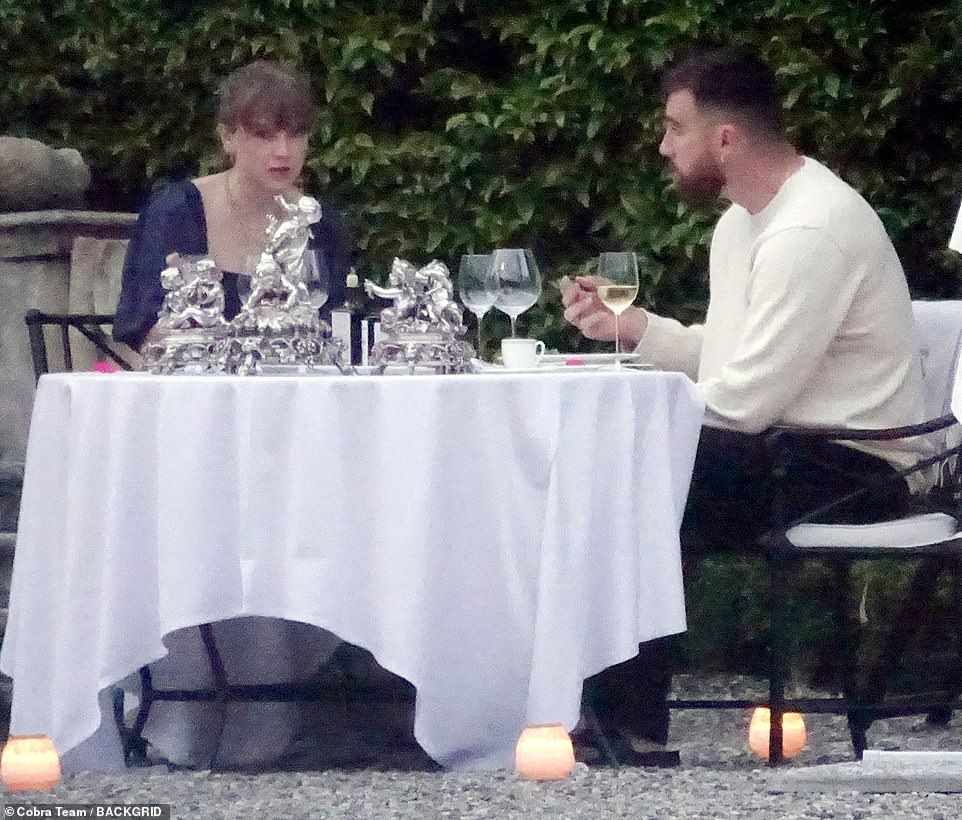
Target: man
[(809, 323)]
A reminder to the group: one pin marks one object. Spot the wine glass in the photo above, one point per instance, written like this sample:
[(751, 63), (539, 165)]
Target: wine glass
[(245, 275), (477, 286), (317, 276), (617, 287), (519, 283)]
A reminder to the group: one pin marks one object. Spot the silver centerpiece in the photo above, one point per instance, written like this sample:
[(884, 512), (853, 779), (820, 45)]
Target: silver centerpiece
[(278, 329), (191, 329), (422, 328)]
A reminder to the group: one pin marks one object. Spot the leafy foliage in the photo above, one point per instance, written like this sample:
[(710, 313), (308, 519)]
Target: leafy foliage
[(729, 620), (448, 127)]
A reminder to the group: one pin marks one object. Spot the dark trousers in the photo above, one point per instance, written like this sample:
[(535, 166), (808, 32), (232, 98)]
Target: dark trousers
[(729, 509)]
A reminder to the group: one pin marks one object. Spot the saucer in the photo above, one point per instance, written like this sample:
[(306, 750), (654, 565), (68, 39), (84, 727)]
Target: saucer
[(580, 359), (541, 368)]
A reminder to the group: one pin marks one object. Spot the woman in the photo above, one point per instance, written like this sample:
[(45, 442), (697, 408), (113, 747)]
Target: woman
[(263, 121)]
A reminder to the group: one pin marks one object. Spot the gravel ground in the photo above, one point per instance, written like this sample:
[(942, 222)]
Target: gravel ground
[(719, 778)]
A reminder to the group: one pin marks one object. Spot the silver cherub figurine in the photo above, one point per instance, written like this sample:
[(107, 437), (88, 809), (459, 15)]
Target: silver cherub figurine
[(422, 327), (423, 300), (277, 327), (287, 238), (194, 298), (190, 325)]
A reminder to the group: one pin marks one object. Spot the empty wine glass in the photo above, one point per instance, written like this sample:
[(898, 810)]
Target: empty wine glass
[(477, 287), (519, 283), (317, 276), (244, 276), (617, 287)]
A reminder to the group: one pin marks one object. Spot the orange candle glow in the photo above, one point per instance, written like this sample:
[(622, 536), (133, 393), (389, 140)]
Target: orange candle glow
[(544, 753), (793, 732), (29, 763)]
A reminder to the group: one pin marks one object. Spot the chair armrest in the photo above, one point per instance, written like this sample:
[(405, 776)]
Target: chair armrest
[(87, 324), (859, 434), (776, 440), (38, 317)]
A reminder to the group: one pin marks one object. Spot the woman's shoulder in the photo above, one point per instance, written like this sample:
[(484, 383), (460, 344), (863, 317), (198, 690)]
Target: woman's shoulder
[(171, 196)]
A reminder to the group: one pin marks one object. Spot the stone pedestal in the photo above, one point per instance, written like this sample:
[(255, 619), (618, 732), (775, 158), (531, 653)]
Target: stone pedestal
[(35, 249), (938, 772)]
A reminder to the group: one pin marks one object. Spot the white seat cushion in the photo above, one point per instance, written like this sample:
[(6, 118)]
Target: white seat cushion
[(938, 328), (913, 531)]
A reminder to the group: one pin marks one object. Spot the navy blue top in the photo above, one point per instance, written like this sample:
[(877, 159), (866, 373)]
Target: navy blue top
[(173, 220)]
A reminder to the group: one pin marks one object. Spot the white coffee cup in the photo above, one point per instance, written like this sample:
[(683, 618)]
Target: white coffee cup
[(521, 354)]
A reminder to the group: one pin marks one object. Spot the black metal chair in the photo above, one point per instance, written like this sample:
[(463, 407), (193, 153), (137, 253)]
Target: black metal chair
[(347, 679), (930, 539), (90, 326)]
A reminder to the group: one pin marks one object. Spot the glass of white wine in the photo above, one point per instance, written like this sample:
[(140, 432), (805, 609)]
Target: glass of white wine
[(477, 287), (617, 287), (519, 282)]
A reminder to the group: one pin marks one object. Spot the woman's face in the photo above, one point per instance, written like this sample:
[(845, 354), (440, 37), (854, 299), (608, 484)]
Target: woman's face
[(265, 156)]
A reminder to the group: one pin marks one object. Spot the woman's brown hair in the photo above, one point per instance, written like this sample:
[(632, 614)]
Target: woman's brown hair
[(265, 94)]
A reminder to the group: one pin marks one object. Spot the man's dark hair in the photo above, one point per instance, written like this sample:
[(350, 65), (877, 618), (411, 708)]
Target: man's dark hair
[(736, 84)]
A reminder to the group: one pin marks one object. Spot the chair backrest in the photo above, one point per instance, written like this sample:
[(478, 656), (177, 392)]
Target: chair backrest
[(74, 340), (96, 274), (89, 326), (938, 326)]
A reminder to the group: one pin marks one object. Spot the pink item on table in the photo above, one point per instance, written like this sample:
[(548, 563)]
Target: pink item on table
[(105, 367)]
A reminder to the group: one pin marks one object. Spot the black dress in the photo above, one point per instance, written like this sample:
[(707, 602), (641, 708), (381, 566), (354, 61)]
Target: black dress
[(173, 220)]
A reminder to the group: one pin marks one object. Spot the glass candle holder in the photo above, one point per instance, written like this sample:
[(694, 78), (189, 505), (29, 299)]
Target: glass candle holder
[(544, 752), (29, 763), (794, 736)]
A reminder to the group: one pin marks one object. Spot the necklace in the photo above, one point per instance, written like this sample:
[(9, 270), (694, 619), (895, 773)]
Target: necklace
[(256, 234)]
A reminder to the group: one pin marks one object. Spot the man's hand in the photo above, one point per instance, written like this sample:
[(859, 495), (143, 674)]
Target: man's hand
[(585, 311)]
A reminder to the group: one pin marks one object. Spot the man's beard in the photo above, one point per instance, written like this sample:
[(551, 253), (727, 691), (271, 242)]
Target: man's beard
[(704, 183)]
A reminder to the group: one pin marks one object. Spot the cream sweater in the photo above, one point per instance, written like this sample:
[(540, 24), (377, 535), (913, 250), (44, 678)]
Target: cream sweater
[(809, 319)]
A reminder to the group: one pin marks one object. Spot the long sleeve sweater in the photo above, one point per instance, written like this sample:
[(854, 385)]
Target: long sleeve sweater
[(809, 319)]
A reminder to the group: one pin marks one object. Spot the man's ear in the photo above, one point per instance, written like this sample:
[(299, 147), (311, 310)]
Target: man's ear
[(727, 137)]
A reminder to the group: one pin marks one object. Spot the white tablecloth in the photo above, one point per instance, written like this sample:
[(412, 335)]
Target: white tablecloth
[(494, 539)]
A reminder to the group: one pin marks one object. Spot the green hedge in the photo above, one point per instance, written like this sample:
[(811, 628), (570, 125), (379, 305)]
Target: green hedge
[(452, 126), (729, 619)]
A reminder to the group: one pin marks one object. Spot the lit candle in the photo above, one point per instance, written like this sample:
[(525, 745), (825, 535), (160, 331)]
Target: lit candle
[(793, 732), (29, 763), (544, 753), (351, 280)]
